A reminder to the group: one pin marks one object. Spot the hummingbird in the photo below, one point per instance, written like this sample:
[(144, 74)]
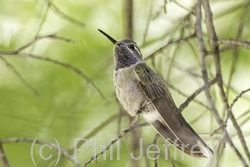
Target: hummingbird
[(141, 91)]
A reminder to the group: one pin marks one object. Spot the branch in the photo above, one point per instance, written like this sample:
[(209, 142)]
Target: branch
[(63, 15), (40, 142), (3, 157), (155, 143), (124, 133), (198, 91), (212, 37), (234, 42), (223, 49), (92, 133), (19, 76), (52, 36), (169, 43), (95, 131), (235, 51), (229, 111), (185, 95), (68, 66)]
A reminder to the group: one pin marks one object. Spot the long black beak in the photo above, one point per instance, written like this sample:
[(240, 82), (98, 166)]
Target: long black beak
[(109, 37)]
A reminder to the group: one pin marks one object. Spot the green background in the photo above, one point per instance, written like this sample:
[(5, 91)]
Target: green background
[(47, 101)]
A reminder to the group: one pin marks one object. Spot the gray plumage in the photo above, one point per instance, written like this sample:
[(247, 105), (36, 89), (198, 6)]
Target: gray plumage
[(141, 91)]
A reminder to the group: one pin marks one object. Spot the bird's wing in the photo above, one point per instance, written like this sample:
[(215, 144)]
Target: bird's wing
[(173, 124)]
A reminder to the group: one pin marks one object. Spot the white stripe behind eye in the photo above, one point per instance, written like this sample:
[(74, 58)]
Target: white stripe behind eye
[(138, 51), (136, 48)]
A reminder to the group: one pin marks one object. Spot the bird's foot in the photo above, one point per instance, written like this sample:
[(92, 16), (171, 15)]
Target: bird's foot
[(144, 106)]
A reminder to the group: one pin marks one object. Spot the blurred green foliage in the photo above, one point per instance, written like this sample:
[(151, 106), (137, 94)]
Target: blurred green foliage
[(68, 107)]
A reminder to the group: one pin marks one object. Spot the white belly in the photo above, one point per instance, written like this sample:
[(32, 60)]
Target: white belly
[(127, 90)]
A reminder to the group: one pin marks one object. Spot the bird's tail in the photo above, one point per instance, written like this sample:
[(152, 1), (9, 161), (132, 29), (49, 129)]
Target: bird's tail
[(190, 144)]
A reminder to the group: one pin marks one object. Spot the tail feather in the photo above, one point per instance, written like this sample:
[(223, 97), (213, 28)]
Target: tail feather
[(194, 146)]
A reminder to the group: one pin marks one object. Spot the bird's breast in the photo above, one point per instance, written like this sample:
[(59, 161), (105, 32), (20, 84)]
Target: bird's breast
[(127, 90)]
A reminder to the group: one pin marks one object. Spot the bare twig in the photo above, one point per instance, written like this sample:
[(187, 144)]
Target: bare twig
[(39, 27), (52, 36), (229, 111), (134, 142), (165, 6), (219, 153), (235, 58), (222, 126), (181, 6), (244, 114), (212, 38), (169, 43), (124, 133), (119, 121), (185, 95), (147, 162), (155, 156), (3, 157), (149, 17), (19, 76), (223, 49), (68, 66), (234, 42), (63, 15), (34, 140), (92, 133), (198, 91), (95, 131), (172, 59), (203, 63), (170, 158)]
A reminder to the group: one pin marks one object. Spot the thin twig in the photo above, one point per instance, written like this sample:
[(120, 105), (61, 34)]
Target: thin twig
[(223, 49), (212, 38), (39, 27), (220, 152), (234, 42), (119, 121), (20, 77), (95, 131), (244, 114), (3, 157), (235, 58), (134, 142), (156, 154), (124, 133), (165, 6), (68, 66), (198, 91), (203, 54), (170, 158), (173, 57), (185, 95), (222, 126), (148, 21), (229, 111), (169, 43), (92, 133), (63, 15), (52, 36), (40, 142), (145, 156)]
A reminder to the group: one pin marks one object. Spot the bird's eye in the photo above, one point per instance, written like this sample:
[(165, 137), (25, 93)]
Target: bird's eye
[(131, 46)]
